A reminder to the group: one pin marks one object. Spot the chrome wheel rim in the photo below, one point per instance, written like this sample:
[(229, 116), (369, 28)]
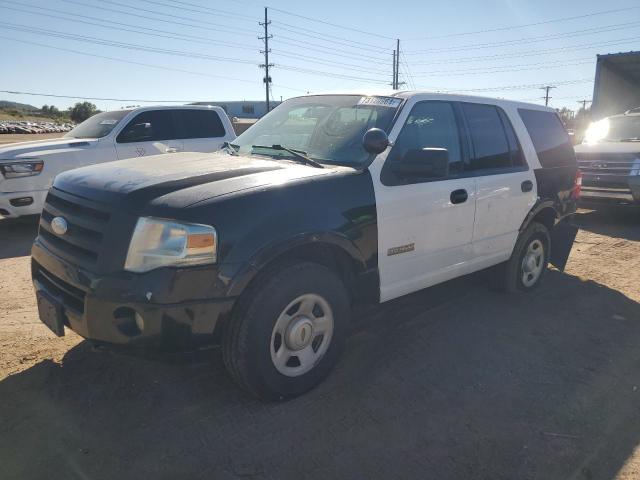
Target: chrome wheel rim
[(301, 335), (532, 263)]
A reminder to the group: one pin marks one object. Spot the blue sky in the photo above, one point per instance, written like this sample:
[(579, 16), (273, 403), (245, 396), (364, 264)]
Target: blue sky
[(212, 51)]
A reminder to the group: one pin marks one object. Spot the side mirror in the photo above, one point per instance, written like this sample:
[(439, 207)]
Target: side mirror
[(375, 141), (423, 163)]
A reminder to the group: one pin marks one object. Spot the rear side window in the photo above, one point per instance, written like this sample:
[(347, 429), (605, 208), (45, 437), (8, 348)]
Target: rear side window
[(200, 124), (491, 145), (149, 126), (549, 138)]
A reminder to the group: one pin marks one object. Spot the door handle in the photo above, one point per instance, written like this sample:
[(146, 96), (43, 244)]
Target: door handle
[(171, 150), (527, 186), (459, 196)]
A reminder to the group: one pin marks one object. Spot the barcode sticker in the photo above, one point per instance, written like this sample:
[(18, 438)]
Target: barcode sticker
[(390, 102)]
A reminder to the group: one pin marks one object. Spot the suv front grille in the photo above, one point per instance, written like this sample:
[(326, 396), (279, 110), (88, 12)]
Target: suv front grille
[(608, 169), (87, 225)]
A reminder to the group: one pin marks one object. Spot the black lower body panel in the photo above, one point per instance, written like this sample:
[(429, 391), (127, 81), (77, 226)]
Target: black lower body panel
[(120, 309)]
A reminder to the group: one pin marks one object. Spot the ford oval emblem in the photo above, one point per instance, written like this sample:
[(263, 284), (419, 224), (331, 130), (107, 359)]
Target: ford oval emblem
[(59, 226)]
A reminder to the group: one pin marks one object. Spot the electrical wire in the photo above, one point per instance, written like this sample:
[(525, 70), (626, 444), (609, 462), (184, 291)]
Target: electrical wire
[(145, 17), (527, 40), (135, 29), (513, 27), (530, 52), (365, 32), (149, 65)]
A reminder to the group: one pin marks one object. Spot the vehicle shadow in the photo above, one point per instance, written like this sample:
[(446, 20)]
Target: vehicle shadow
[(452, 382), (612, 222), (17, 235)]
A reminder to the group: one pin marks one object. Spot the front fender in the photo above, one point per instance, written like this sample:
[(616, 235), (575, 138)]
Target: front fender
[(278, 249)]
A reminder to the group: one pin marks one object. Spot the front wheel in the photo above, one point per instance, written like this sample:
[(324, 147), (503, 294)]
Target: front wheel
[(288, 331), (525, 269)]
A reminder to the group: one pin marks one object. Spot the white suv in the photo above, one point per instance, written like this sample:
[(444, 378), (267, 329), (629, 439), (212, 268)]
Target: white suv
[(27, 169)]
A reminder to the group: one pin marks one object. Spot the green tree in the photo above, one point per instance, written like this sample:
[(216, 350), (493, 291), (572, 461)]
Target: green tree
[(81, 111)]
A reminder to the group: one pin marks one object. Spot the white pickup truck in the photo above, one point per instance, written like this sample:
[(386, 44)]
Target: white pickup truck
[(27, 169)]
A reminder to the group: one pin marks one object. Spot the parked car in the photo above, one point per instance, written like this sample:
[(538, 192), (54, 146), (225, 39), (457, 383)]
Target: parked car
[(27, 169), (327, 202), (609, 160)]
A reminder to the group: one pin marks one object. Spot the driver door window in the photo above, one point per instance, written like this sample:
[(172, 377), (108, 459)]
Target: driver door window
[(430, 125)]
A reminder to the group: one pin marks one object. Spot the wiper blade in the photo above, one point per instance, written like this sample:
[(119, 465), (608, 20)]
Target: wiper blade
[(630, 139), (298, 154), (231, 148)]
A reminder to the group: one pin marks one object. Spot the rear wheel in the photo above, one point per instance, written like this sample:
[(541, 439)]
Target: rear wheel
[(528, 263), (288, 331)]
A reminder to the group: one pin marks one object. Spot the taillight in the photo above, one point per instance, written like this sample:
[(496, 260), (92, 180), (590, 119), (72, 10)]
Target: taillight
[(577, 186)]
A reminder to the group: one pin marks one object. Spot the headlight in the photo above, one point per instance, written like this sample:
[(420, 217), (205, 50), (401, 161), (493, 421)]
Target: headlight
[(597, 131), (17, 169), (166, 243)]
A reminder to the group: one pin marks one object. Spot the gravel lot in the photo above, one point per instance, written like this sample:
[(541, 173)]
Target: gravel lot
[(455, 382)]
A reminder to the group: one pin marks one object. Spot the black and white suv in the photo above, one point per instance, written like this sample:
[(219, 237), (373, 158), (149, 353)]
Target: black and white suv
[(327, 202)]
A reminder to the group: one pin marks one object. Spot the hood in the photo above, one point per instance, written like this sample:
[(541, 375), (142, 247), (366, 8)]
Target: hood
[(608, 147), (40, 148), (180, 179)]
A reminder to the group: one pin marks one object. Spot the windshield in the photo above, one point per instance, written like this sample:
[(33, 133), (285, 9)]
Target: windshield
[(624, 128), (98, 126), (325, 128)]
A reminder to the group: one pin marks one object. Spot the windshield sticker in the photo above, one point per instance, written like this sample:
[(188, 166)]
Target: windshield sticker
[(390, 102), (108, 122)]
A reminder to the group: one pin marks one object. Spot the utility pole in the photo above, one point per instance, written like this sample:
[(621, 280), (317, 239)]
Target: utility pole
[(393, 79), (397, 63), (266, 64), (546, 95), (584, 103)]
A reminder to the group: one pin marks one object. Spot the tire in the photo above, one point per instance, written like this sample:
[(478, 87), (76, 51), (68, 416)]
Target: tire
[(259, 340), (510, 275)]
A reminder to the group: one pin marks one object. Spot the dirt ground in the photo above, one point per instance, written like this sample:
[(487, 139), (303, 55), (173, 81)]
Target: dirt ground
[(455, 382)]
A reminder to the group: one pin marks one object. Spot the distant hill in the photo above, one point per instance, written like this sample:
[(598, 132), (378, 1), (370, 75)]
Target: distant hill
[(18, 106)]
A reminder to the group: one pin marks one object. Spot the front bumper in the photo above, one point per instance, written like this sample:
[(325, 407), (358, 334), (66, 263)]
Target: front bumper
[(596, 191), (103, 307), (12, 211)]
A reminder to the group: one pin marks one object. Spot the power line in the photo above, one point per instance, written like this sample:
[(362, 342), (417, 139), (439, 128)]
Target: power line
[(544, 22), (529, 86), (526, 40), (500, 67), (323, 35), (327, 50), (165, 33), (128, 46), (530, 52), (459, 73), (330, 63), (329, 74), (206, 22), (144, 17), (324, 22), (80, 97), (175, 35), (149, 65), (202, 9), (327, 38)]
